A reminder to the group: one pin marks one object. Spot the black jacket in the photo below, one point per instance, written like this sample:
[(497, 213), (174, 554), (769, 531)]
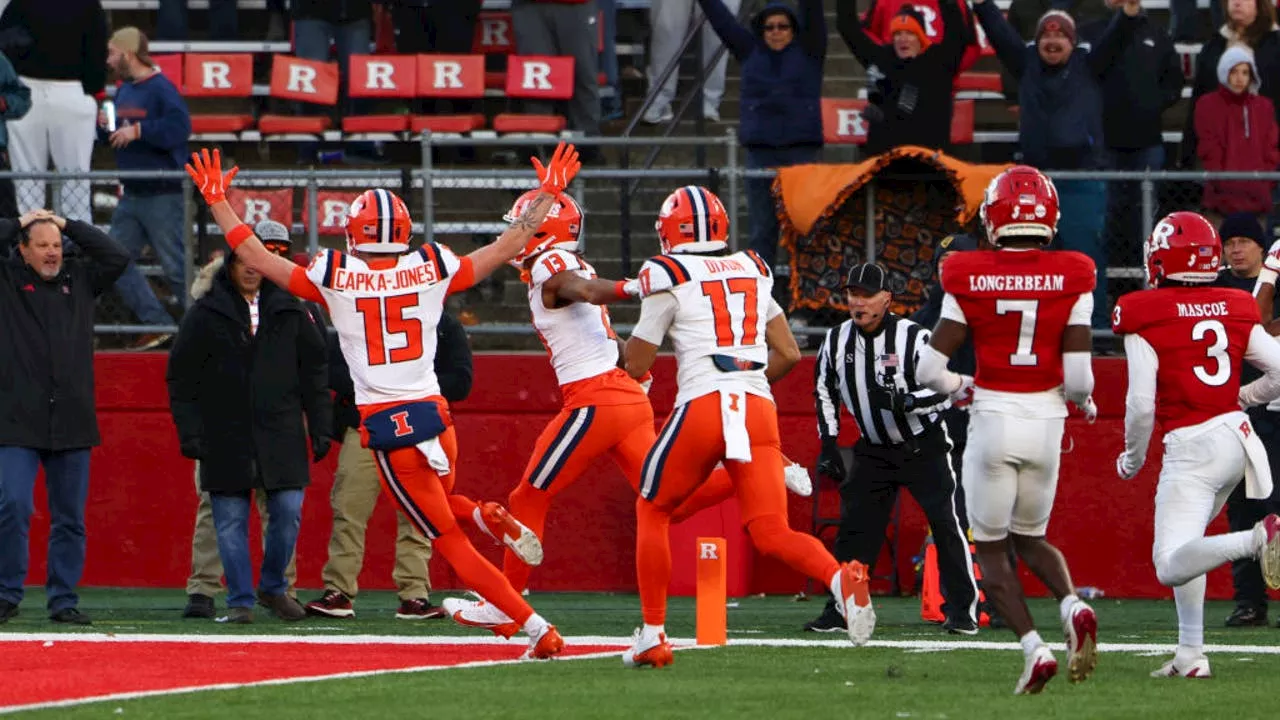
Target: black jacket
[(914, 96), (338, 12), (1137, 90), (46, 340), (63, 40), (238, 399), (453, 370)]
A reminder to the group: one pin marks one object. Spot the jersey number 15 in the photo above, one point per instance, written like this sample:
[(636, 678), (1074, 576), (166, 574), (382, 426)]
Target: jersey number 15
[(384, 317)]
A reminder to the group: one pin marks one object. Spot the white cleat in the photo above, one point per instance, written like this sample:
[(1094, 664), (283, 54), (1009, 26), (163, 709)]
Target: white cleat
[(1197, 668), (853, 600), (648, 649), (796, 476), (1040, 668), (480, 614), (1267, 533), (1081, 631)]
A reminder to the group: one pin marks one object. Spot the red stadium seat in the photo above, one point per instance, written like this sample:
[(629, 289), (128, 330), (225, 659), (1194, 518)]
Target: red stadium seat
[(980, 81), (962, 122), (203, 76), (536, 77), (380, 76), (449, 76), (293, 78)]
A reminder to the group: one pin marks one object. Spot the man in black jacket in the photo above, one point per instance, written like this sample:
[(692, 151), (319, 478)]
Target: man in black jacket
[(47, 414), (356, 489), (247, 364)]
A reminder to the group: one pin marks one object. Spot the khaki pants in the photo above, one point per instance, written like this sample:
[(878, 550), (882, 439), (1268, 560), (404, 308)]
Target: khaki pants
[(206, 566), (355, 493)]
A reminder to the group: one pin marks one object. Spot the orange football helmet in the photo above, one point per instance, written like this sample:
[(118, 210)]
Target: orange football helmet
[(561, 228), (378, 222), (692, 219)]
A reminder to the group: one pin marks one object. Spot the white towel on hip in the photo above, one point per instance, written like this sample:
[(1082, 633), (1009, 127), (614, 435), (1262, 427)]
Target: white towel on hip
[(1257, 471), (733, 418), (437, 458)]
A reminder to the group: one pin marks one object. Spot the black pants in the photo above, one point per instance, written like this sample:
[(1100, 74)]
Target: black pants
[(1243, 513), (446, 28), (868, 496), (957, 421)]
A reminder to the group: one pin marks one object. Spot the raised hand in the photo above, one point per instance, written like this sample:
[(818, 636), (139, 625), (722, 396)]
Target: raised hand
[(560, 171), (206, 171)]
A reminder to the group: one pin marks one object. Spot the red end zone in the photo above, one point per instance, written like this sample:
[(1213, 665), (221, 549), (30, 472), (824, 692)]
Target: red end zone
[(126, 668)]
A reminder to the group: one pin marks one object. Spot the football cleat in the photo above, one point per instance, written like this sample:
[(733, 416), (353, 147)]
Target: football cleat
[(1040, 668), (853, 600), (797, 479), (1081, 631), (1196, 668), (480, 614), (498, 524), (650, 649), (1268, 531), (545, 645)]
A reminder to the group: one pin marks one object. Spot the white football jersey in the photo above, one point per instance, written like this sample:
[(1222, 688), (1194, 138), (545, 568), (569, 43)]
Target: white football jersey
[(386, 319), (711, 307), (578, 336)]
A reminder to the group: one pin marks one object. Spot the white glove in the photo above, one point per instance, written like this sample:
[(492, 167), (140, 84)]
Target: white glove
[(797, 479), (1272, 260), (1090, 410), (1126, 468), (632, 287), (963, 395)]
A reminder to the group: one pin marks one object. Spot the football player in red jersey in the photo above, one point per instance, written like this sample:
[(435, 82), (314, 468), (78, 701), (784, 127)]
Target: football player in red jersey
[(1029, 312), (1184, 341)]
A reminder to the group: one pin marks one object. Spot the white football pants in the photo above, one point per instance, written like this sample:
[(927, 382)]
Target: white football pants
[(1010, 474), (63, 122), (671, 20)]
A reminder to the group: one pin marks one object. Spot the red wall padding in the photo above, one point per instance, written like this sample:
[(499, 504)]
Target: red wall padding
[(141, 499)]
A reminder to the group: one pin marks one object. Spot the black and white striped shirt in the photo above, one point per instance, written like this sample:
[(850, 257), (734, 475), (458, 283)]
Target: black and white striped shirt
[(860, 369)]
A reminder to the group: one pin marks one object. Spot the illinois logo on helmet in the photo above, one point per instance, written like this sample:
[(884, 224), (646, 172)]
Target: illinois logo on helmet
[(561, 228), (692, 219), (1020, 202), (378, 222)]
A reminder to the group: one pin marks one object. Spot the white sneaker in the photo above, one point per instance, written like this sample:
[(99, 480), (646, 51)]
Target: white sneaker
[(656, 115), (711, 113), (1267, 535), (1081, 631), (796, 476), (648, 648), (1040, 668), (1197, 668), (481, 614), (853, 600)]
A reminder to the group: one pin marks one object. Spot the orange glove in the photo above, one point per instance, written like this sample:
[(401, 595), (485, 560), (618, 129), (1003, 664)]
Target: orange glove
[(558, 173), (207, 174)]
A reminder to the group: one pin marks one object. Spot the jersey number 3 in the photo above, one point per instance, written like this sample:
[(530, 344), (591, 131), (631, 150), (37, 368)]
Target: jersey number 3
[(384, 317), (1216, 352), (719, 291), (1022, 356)]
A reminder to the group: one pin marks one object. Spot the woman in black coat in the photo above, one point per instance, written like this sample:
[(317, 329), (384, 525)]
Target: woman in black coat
[(247, 364)]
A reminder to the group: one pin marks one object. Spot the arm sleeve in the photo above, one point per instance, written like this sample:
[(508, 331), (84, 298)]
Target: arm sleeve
[(1077, 376), (657, 311), (932, 372), (300, 285), (453, 359), (774, 310), (951, 310), (1082, 310), (826, 392), (1140, 402), (814, 36), (926, 398), (464, 278), (861, 44), (738, 39), (1263, 352), (1009, 47)]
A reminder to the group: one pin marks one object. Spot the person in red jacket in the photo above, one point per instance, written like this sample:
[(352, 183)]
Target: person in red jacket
[(1237, 132)]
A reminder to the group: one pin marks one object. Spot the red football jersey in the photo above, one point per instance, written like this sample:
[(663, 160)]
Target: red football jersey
[(1017, 304), (1199, 335)]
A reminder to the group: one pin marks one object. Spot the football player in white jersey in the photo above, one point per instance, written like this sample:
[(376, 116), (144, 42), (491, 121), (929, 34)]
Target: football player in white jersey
[(731, 341), (385, 301)]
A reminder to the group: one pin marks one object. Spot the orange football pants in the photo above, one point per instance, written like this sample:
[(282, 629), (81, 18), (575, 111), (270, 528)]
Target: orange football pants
[(690, 444)]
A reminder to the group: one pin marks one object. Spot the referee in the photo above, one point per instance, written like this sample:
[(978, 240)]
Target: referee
[(868, 364)]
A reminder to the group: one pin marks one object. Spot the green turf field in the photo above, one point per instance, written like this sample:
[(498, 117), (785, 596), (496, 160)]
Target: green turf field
[(746, 681)]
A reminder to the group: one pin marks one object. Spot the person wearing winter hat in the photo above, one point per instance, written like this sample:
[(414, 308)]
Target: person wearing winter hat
[(1237, 131), (1055, 37), (1244, 245)]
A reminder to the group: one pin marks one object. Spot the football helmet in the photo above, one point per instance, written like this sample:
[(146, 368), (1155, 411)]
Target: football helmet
[(1185, 247), (561, 228), (692, 219), (1020, 202), (378, 222)]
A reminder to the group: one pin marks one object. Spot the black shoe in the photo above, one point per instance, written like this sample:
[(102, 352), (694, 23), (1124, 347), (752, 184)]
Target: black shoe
[(7, 610), (70, 616), (199, 606), (1247, 616), (960, 626), (829, 621)]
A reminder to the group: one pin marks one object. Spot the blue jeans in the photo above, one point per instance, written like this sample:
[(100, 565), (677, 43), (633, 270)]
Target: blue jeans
[(1124, 234), (172, 21), (231, 523), (66, 477), (762, 217), (1083, 204), (311, 40), (155, 220), (609, 57)]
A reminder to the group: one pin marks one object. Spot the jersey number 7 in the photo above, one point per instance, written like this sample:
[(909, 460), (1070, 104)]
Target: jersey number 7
[(384, 317), (1022, 356)]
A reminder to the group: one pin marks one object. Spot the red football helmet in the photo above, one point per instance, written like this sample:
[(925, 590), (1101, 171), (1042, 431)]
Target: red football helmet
[(1185, 247), (1020, 202), (378, 222), (692, 219), (561, 228)]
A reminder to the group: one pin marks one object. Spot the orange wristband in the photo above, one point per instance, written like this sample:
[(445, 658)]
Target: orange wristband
[(238, 235), (620, 290)]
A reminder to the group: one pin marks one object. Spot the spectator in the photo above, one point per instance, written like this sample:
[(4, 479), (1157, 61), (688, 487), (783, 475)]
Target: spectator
[(437, 26), (881, 15), (1238, 132), (781, 62), (565, 27), (151, 133), (670, 21), (172, 23), (1251, 23), (15, 101), (356, 488), (59, 50), (1184, 20), (47, 415), (1024, 15), (348, 26), (247, 363), (1060, 122), (1136, 90), (914, 77), (611, 105)]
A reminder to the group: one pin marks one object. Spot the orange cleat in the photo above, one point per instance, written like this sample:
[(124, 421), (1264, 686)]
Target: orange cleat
[(498, 524), (648, 649), (546, 645)]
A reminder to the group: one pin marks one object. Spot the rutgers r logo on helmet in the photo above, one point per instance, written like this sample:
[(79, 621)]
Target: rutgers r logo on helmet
[(1184, 247)]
